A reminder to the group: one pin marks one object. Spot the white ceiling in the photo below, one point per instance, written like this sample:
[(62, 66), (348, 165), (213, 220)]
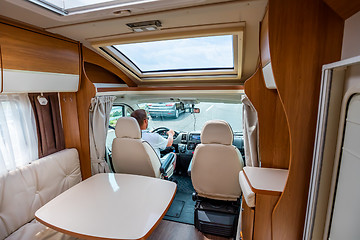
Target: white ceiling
[(181, 14)]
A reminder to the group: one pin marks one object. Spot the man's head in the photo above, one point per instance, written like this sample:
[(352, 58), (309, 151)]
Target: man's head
[(141, 117)]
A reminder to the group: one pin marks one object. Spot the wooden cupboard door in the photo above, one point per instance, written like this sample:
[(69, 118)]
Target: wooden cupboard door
[(247, 221), (22, 49)]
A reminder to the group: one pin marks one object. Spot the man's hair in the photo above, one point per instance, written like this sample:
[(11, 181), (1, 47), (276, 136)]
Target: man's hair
[(139, 115)]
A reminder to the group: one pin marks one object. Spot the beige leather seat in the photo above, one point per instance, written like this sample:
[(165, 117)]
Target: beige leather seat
[(216, 163), (131, 155)]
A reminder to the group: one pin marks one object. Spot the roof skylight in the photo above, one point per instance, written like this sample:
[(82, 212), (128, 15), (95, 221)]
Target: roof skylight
[(200, 53), (65, 7)]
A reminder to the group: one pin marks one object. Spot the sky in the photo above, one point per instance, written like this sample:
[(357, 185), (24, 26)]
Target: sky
[(190, 53)]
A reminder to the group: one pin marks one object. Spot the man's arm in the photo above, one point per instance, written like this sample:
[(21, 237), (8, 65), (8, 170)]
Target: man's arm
[(170, 134)]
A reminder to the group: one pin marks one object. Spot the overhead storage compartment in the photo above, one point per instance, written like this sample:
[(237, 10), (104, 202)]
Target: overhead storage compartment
[(37, 62)]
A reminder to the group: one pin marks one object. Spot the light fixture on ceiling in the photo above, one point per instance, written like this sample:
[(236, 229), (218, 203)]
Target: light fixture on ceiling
[(145, 26)]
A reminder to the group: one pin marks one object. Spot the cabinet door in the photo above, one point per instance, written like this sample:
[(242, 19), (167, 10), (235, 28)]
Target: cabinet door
[(247, 221)]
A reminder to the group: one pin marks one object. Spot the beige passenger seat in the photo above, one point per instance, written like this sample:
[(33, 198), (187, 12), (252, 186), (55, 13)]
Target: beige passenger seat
[(132, 155), (216, 163)]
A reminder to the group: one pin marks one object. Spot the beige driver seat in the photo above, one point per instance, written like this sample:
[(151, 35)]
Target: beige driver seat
[(130, 154), (216, 163)]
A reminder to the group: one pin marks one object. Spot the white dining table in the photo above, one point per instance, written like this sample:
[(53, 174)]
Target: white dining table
[(109, 206)]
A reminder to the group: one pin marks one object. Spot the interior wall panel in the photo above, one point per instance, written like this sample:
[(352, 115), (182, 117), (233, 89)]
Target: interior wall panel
[(303, 35), (274, 145), (86, 92), (94, 58)]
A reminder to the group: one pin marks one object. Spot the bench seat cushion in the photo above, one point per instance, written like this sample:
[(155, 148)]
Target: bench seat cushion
[(37, 231), (24, 190)]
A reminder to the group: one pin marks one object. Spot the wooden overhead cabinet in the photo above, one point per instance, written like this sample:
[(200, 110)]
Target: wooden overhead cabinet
[(33, 61)]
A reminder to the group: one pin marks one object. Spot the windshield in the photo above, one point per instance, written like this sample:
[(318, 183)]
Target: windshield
[(180, 117)]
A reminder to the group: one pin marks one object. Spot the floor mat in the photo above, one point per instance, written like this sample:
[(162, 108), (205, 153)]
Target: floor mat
[(175, 209), (182, 208)]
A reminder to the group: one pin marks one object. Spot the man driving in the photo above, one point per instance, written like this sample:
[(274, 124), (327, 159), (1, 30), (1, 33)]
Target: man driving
[(154, 139)]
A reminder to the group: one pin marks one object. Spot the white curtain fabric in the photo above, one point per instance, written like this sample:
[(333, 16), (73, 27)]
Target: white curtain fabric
[(18, 136), (98, 127), (251, 133)]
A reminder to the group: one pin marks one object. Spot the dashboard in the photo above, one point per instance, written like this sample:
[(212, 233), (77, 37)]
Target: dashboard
[(185, 142), (184, 145)]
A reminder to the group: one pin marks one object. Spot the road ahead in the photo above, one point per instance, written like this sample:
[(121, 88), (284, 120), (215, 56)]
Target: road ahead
[(232, 113)]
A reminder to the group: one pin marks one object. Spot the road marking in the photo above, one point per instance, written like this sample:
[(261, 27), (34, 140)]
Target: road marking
[(209, 108)]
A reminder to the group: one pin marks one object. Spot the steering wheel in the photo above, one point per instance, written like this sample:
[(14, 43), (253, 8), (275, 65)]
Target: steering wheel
[(162, 131)]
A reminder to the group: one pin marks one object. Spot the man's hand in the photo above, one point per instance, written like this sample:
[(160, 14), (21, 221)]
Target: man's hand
[(170, 133)]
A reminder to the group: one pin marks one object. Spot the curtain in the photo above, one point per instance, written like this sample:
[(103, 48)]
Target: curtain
[(18, 139), (98, 127), (251, 133), (48, 121)]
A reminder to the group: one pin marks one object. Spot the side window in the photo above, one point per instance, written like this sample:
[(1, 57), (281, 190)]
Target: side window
[(115, 114), (128, 111), (18, 137), (117, 111)]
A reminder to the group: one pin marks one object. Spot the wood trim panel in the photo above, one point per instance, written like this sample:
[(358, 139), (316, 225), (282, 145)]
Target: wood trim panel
[(86, 92), (168, 88), (247, 221), (97, 74), (264, 206), (303, 35), (274, 143), (27, 50), (94, 58), (264, 41), (70, 120), (344, 8)]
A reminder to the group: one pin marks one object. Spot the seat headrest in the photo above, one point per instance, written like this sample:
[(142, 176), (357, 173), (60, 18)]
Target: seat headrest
[(127, 127), (217, 131)]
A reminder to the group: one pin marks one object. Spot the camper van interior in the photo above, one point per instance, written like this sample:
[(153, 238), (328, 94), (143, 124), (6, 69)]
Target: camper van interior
[(192, 119)]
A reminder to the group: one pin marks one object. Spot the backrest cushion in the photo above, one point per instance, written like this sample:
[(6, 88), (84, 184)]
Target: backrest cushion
[(214, 171), (127, 127), (24, 190), (130, 156), (217, 131)]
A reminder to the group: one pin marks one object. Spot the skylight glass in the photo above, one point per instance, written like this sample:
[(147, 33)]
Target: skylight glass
[(200, 53), (70, 6)]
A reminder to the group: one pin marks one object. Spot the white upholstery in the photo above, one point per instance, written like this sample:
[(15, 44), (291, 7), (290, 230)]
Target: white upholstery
[(127, 127), (218, 132), (130, 154), (248, 194), (25, 190), (37, 231), (216, 163)]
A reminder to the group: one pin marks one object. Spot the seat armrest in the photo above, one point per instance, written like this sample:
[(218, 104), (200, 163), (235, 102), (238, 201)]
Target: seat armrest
[(189, 169), (167, 163)]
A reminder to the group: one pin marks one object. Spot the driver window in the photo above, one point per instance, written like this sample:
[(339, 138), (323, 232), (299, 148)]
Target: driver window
[(117, 111), (115, 114)]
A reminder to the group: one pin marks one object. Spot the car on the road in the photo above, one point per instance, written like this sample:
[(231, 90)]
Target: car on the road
[(167, 109)]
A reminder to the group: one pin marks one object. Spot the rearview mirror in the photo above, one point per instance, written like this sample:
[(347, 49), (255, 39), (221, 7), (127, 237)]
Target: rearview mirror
[(195, 110)]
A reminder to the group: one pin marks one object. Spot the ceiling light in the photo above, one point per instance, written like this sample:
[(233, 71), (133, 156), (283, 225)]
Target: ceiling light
[(145, 26)]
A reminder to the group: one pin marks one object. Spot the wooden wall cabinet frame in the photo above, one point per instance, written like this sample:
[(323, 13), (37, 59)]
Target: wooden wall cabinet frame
[(36, 61), (267, 184), (303, 35)]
